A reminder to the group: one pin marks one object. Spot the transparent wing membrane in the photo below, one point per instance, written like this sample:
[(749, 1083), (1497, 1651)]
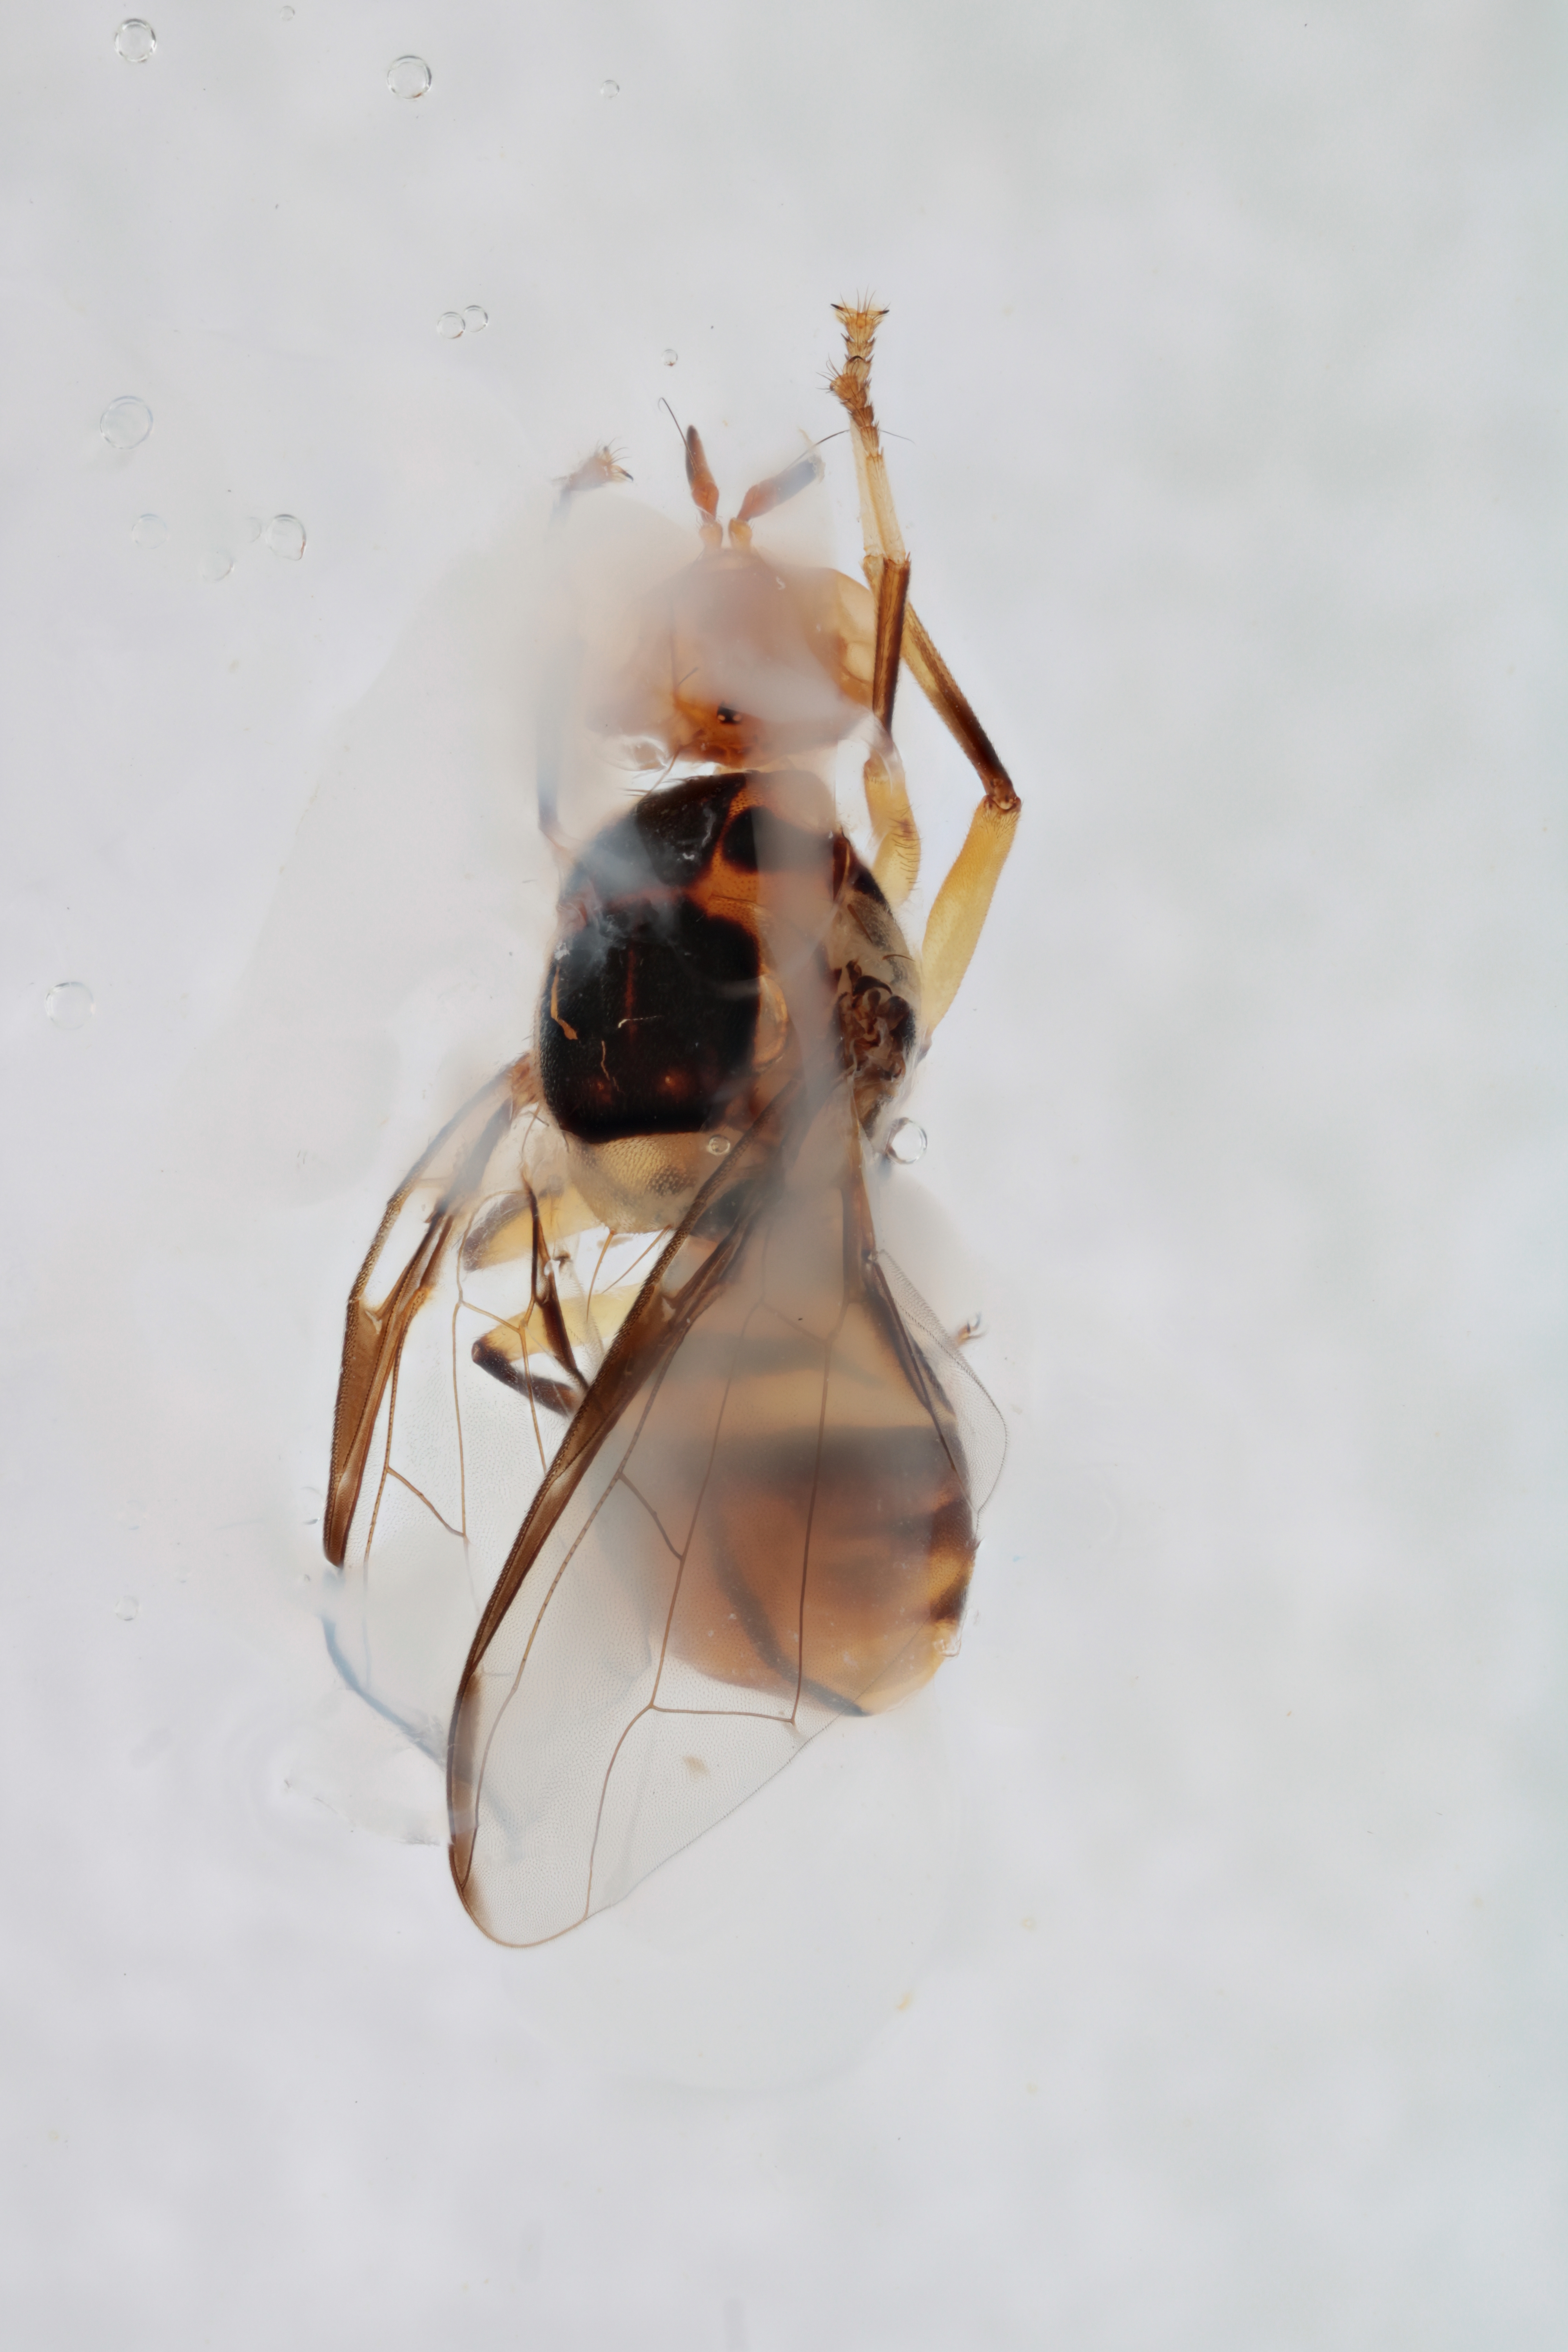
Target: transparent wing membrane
[(770, 1524), (482, 1312)]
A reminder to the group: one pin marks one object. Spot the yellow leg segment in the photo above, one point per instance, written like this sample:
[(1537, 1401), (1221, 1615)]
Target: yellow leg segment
[(958, 915), (963, 901)]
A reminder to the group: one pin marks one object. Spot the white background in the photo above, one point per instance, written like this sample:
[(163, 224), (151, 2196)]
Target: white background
[(1186, 1972)]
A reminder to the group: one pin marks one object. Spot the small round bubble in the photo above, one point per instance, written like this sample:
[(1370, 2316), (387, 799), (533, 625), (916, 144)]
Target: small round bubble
[(609, 90), (449, 326), (126, 1607), (126, 422), (670, 358), (285, 535), (718, 1145), (217, 565), (69, 1004), (906, 1142), (409, 78), (476, 319), (149, 531), (136, 40), (286, 13)]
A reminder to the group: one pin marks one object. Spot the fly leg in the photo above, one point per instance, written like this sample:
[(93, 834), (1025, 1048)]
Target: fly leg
[(897, 860), (959, 910)]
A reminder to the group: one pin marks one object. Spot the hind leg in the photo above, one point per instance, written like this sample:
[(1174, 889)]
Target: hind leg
[(959, 910)]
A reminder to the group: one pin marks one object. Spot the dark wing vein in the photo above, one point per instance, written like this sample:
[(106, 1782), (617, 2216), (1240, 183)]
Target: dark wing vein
[(383, 1305), (793, 1543)]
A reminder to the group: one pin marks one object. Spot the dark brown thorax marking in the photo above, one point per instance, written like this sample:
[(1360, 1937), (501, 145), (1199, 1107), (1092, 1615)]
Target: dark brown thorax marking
[(703, 935)]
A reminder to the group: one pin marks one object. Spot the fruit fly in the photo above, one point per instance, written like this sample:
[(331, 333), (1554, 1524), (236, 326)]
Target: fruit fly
[(643, 1258)]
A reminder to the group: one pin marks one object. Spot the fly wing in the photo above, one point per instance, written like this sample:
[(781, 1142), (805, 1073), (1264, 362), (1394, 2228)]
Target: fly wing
[(457, 1382), (418, 1236), (760, 1520), (980, 1430)]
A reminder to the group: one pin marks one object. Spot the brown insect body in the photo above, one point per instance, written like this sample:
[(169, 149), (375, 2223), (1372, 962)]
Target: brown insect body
[(761, 1512)]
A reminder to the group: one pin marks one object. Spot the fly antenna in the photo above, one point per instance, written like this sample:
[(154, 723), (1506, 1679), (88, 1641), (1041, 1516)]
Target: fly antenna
[(700, 479)]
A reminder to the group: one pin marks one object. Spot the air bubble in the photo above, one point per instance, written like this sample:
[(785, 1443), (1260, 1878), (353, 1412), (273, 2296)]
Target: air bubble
[(609, 90), (127, 1607), (409, 78), (449, 326), (285, 535), (718, 1145), (149, 531), (217, 565), (126, 422), (476, 317), (286, 15), (906, 1142), (136, 40), (670, 358), (69, 1004)]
